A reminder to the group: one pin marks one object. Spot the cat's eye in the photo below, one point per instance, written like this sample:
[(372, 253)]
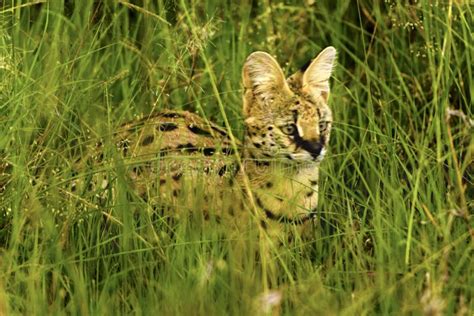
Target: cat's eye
[(289, 129), (323, 125)]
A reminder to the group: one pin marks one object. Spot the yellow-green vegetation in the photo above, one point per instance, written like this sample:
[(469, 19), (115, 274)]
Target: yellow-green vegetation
[(394, 228)]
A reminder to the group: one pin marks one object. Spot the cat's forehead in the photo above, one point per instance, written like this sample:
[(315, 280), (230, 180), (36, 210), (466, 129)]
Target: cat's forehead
[(304, 107)]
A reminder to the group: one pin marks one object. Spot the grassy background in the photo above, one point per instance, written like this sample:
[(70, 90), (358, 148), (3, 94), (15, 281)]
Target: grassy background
[(395, 229)]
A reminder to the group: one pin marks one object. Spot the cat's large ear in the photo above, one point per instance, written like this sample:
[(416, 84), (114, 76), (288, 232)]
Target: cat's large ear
[(315, 80), (263, 79)]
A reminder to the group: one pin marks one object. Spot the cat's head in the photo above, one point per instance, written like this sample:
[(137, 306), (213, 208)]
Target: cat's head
[(287, 118)]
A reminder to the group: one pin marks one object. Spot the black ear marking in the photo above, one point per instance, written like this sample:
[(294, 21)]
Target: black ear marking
[(306, 65)]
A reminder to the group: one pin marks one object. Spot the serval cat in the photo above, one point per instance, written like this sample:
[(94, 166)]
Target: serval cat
[(177, 156)]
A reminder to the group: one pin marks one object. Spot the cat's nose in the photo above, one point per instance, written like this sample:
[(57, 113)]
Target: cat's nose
[(313, 146)]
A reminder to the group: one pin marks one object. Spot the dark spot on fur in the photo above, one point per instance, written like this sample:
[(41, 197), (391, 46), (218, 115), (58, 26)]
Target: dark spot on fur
[(162, 181), (309, 194), (227, 151), (167, 127), (209, 151), (234, 171), (187, 147), (269, 184), (259, 203), (144, 197), (263, 143), (123, 145), (138, 170), (164, 151), (222, 170), (270, 128), (261, 163), (148, 140), (313, 182), (257, 145), (177, 176), (199, 131), (175, 193), (223, 133), (171, 115)]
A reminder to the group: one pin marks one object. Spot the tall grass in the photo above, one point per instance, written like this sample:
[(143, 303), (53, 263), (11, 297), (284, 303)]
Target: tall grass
[(394, 235)]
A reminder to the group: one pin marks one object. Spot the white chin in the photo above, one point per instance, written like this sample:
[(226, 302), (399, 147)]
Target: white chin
[(322, 154)]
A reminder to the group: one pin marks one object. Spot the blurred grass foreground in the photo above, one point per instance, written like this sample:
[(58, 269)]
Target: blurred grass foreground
[(395, 228)]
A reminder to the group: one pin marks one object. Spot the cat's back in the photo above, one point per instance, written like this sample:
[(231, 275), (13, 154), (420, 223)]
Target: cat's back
[(171, 133)]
